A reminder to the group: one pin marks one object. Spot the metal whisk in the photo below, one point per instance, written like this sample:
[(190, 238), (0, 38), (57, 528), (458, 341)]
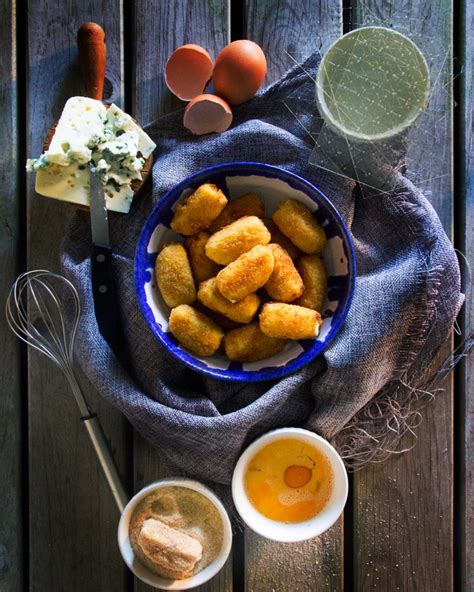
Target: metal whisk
[(35, 311)]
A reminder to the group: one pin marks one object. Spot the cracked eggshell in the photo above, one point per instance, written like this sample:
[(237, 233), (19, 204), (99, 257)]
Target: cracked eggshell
[(206, 114), (188, 71)]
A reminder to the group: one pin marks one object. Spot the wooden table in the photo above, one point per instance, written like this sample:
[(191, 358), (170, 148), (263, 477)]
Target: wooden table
[(408, 523)]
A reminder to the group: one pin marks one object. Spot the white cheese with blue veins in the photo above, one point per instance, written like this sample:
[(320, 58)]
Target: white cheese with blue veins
[(89, 135)]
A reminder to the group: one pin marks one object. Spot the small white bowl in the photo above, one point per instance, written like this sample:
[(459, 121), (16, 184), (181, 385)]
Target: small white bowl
[(142, 572), (295, 531)]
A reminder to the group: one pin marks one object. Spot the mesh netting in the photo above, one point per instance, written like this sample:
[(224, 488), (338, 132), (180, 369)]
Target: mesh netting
[(377, 84)]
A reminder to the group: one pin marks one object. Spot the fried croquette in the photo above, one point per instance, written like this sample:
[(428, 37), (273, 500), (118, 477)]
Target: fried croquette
[(249, 344), (289, 321), (279, 238), (199, 210), (313, 272), (240, 312), (223, 321), (237, 238), (285, 283), (202, 267), (195, 331), (174, 276), (249, 204), (246, 274), (297, 223)]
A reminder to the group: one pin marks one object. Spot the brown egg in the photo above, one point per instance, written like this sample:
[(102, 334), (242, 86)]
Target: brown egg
[(206, 114), (188, 71), (239, 71)]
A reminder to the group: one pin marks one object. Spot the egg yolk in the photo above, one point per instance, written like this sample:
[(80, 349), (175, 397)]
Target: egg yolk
[(296, 476), (289, 480)]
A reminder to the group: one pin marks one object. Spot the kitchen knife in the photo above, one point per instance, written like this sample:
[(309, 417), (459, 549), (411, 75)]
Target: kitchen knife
[(92, 59)]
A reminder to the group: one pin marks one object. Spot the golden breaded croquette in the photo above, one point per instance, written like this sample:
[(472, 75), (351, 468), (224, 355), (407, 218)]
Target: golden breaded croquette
[(195, 331), (199, 210), (249, 204), (203, 268), (279, 238), (174, 276), (237, 238), (289, 321), (246, 274), (218, 318), (240, 312), (313, 272), (249, 344), (285, 283), (297, 223)]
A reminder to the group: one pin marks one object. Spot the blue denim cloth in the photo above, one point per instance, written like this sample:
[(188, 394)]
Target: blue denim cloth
[(406, 299)]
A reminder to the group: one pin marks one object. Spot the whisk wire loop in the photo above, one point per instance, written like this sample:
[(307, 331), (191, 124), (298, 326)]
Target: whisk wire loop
[(35, 312)]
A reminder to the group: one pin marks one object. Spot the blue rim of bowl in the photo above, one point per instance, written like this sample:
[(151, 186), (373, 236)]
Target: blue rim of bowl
[(232, 374)]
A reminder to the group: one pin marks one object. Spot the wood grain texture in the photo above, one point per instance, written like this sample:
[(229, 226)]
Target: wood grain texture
[(297, 567), (403, 512), (403, 509), (299, 28), (285, 27), (161, 27), (11, 438), (465, 210), (73, 519)]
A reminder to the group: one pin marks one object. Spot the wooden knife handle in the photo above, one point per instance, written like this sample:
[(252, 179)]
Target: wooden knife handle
[(92, 56)]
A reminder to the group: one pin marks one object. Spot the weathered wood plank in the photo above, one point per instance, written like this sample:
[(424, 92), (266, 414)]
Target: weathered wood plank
[(464, 525), (316, 564), (160, 28), (299, 28), (73, 519), (292, 27), (403, 509), (11, 438), (403, 512)]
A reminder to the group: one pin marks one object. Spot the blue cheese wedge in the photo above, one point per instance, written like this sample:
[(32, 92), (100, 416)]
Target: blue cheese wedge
[(81, 119), (71, 184), (123, 121), (90, 136)]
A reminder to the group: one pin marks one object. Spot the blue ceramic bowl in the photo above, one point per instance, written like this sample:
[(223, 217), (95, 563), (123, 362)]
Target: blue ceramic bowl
[(273, 185)]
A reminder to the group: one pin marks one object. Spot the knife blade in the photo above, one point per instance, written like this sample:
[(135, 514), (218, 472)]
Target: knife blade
[(98, 212), (105, 296)]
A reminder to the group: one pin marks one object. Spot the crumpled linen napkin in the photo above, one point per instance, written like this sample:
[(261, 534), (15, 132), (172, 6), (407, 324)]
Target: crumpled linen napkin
[(406, 299)]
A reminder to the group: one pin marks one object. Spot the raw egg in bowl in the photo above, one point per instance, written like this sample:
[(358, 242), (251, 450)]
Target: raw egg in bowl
[(290, 485)]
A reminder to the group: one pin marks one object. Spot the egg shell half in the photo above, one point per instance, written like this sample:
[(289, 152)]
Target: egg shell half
[(239, 72), (188, 71), (206, 114)]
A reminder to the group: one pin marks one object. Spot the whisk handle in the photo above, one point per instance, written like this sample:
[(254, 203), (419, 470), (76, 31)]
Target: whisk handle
[(96, 434)]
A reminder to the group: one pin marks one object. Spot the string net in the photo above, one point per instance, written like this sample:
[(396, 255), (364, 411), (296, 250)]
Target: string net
[(420, 152)]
